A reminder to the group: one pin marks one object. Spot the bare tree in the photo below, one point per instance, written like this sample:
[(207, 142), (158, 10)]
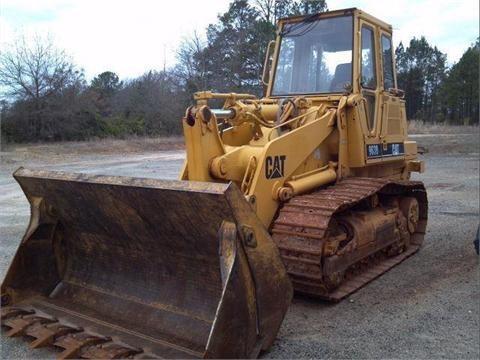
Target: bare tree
[(191, 65), (35, 71), (267, 9), (272, 10), (39, 76)]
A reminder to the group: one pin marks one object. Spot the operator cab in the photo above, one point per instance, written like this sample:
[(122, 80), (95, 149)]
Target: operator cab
[(336, 52), (346, 52)]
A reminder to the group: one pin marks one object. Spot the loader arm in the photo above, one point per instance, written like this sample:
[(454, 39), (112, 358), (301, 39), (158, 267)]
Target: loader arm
[(267, 168), (272, 183)]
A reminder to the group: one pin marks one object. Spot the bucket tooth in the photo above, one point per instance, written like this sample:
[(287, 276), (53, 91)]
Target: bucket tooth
[(9, 312), (109, 351), (73, 344), (20, 324), (45, 334), (143, 356)]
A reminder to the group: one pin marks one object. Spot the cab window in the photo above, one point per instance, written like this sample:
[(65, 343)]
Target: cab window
[(387, 62), (315, 57), (369, 79)]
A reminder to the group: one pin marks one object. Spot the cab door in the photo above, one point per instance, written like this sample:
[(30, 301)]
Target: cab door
[(371, 90), (363, 134), (385, 113), (368, 75)]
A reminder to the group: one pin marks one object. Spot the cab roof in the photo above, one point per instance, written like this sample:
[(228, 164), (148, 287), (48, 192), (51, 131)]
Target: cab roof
[(350, 11)]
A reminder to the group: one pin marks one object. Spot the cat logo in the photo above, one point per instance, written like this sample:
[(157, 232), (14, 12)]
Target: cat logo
[(275, 166)]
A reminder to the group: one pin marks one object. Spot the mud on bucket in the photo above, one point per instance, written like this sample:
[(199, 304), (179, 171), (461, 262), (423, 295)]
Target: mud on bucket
[(118, 267)]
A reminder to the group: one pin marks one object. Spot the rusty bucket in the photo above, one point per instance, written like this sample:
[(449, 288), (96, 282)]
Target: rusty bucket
[(131, 267)]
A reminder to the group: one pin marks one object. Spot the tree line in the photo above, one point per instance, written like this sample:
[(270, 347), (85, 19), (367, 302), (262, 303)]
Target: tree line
[(47, 98), (435, 93)]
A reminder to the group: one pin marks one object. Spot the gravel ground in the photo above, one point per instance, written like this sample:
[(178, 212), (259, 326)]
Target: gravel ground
[(427, 307)]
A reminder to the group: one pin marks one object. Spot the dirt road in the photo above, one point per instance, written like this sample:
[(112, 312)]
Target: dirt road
[(427, 307)]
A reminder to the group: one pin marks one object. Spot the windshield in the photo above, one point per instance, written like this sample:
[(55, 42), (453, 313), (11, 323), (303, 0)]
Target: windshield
[(315, 57)]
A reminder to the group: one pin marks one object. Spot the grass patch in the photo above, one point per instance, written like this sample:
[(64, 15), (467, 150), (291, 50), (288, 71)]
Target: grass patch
[(420, 127)]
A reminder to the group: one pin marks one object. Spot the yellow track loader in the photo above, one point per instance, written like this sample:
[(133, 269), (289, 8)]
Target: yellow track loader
[(306, 189)]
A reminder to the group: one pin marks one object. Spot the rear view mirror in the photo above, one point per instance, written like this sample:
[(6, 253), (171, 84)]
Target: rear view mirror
[(268, 63)]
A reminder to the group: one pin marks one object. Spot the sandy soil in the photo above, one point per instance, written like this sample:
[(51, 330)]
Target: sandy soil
[(427, 307)]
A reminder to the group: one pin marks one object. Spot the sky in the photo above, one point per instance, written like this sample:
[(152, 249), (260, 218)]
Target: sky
[(133, 36)]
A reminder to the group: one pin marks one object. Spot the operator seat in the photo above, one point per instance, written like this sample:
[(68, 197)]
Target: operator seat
[(342, 76)]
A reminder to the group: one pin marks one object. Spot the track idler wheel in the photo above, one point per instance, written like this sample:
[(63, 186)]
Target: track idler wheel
[(332, 281), (409, 208), (407, 223)]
